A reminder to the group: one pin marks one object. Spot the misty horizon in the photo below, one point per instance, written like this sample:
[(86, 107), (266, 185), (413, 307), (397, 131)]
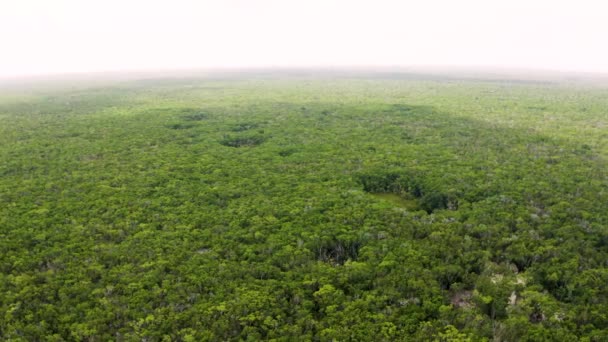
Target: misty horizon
[(444, 73), (67, 36)]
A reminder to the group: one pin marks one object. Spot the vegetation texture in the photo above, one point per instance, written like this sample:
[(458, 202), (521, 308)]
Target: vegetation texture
[(305, 208)]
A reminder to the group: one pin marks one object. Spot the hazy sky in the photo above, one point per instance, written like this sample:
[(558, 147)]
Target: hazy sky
[(44, 36)]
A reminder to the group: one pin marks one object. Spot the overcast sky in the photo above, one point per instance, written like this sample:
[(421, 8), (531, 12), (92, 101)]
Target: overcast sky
[(44, 36)]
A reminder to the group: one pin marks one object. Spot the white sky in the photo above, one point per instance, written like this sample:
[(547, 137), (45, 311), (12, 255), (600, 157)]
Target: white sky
[(55, 36)]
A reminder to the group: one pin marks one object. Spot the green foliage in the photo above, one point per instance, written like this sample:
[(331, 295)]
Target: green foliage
[(376, 209), (243, 140)]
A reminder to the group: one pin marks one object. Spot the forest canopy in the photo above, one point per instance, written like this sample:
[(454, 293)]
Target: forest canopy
[(265, 208)]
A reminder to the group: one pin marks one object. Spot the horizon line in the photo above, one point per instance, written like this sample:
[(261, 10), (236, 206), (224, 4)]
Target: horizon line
[(487, 70)]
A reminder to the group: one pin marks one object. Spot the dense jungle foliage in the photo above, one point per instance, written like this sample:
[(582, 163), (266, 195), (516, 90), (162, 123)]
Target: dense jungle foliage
[(375, 208)]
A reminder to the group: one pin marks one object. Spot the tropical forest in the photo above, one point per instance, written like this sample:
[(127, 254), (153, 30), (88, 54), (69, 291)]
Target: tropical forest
[(304, 206)]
